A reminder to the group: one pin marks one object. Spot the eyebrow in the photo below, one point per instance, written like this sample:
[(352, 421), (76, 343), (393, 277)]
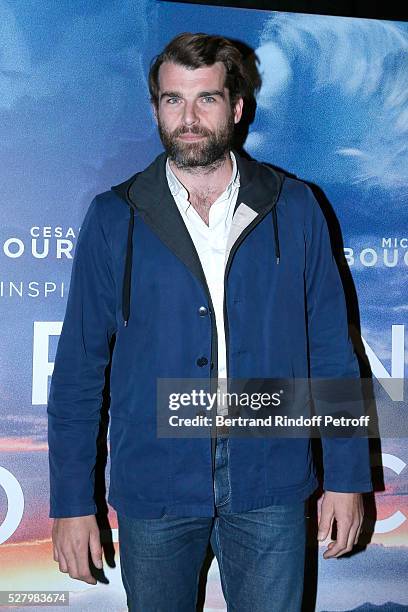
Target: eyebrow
[(202, 94)]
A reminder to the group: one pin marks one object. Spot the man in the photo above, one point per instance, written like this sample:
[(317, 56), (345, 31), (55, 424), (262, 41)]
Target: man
[(203, 265)]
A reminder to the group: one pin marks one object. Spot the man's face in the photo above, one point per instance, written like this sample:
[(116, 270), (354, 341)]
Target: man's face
[(194, 114)]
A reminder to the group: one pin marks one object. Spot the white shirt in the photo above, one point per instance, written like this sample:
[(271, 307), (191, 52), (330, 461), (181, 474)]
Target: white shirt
[(210, 242)]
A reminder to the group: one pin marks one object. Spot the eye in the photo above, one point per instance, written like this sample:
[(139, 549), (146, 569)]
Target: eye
[(208, 99), (172, 101)]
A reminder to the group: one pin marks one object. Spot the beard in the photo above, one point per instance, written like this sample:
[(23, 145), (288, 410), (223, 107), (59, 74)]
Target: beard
[(207, 152)]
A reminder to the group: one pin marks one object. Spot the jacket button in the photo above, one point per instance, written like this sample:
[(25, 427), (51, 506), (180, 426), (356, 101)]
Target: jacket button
[(202, 311), (202, 361)]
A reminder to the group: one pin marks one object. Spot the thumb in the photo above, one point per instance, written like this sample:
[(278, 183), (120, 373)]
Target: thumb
[(96, 548)]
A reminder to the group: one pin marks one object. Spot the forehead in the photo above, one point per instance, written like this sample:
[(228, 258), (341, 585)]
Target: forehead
[(173, 77)]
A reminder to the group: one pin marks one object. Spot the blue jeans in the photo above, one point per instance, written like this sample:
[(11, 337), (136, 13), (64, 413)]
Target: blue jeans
[(260, 554)]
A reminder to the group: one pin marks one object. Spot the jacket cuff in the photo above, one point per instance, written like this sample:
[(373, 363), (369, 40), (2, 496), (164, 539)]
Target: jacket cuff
[(73, 511), (362, 486)]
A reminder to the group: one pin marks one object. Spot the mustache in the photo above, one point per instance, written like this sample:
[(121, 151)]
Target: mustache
[(193, 130)]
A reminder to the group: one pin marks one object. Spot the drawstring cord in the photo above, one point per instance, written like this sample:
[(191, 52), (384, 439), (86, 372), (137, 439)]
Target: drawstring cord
[(128, 269), (275, 231)]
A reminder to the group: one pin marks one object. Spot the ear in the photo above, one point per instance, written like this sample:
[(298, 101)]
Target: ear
[(238, 106), (154, 111)]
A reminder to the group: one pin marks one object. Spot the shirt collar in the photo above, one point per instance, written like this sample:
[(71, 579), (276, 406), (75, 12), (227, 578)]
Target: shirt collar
[(178, 190)]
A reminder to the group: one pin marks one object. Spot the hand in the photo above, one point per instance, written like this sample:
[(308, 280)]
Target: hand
[(348, 510), (71, 538)]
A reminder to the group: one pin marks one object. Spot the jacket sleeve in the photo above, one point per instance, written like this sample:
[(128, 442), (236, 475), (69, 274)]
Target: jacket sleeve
[(346, 459), (78, 378)]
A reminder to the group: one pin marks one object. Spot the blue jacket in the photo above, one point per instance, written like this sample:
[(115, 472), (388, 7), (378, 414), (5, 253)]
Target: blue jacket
[(136, 275)]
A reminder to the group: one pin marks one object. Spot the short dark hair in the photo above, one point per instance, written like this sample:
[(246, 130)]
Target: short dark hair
[(197, 50)]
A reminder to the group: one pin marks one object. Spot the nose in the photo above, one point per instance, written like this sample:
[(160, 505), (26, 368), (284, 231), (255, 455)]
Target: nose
[(190, 116)]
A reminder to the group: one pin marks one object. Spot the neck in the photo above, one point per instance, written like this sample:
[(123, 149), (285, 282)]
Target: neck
[(199, 178)]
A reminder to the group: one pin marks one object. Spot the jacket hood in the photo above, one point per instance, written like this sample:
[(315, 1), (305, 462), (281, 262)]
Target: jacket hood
[(148, 195)]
